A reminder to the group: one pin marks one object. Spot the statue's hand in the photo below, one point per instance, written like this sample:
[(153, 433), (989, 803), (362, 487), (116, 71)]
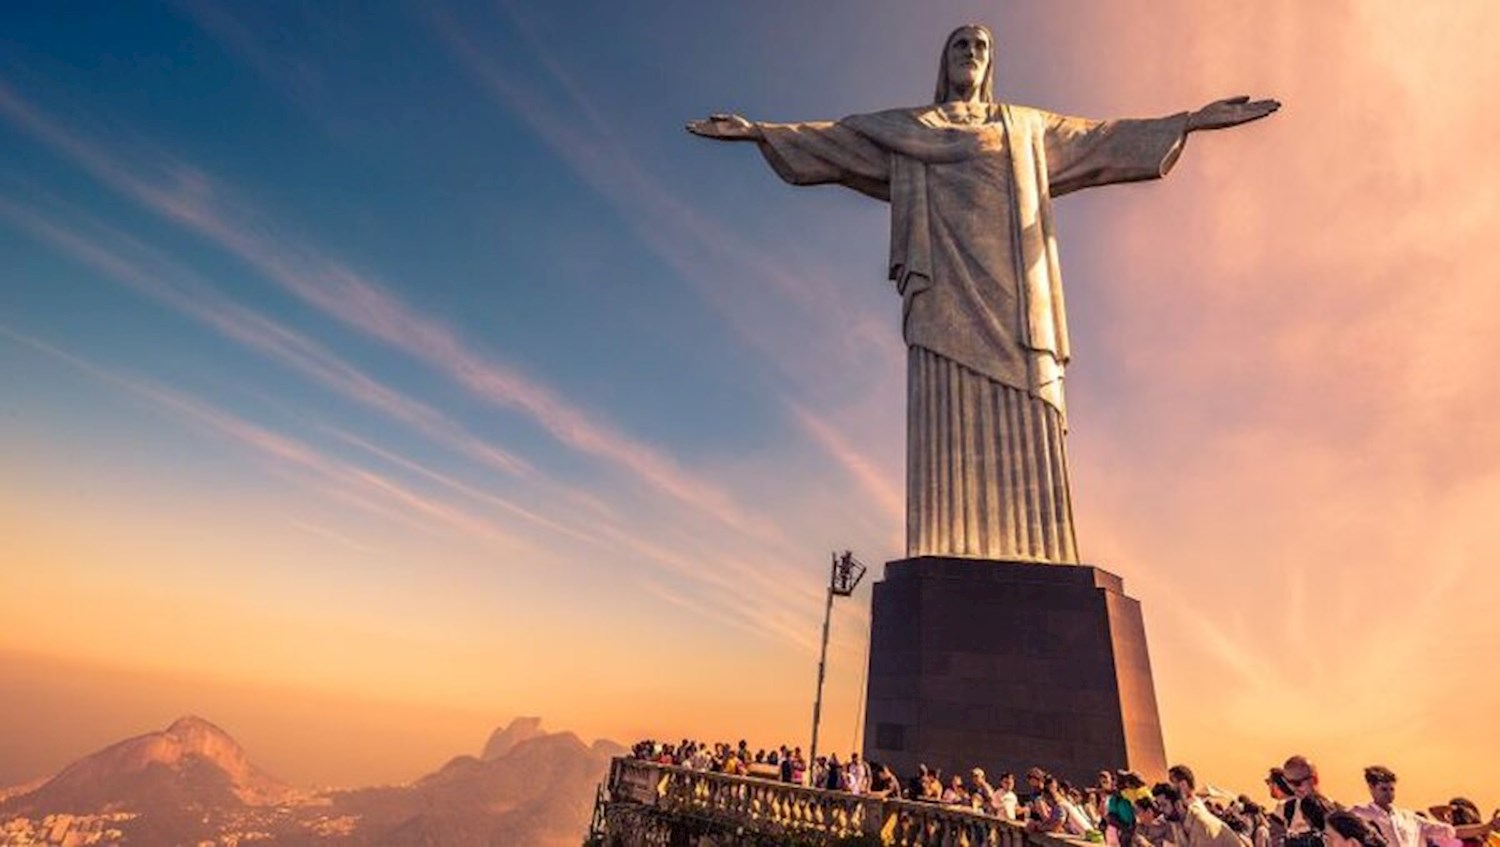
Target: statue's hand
[(1230, 112), (725, 128)]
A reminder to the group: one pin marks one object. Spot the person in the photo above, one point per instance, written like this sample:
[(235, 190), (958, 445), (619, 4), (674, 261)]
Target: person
[(955, 794), (916, 786), (856, 775), (973, 255), (1398, 827), (1280, 792), (1233, 817), (1005, 804), (1404, 828), (1305, 813), (1194, 825), (817, 775), (734, 765), (1152, 829), (932, 788), (1119, 810), (834, 774), (1132, 786), (884, 785), (1259, 825), (1469, 830), (1078, 822), (1048, 814), (898, 786), (981, 793), (1036, 780), (1182, 778), (1104, 786), (799, 767)]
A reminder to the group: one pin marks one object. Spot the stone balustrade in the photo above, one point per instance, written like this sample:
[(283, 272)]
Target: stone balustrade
[(652, 804)]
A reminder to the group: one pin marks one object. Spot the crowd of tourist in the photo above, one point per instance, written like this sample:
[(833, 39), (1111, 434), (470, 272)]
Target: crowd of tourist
[(1120, 809)]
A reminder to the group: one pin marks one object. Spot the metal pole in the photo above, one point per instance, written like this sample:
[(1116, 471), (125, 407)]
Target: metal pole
[(812, 756)]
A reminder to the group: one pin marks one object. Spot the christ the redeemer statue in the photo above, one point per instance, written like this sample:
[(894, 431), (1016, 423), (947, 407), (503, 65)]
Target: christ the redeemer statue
[(970, 183)]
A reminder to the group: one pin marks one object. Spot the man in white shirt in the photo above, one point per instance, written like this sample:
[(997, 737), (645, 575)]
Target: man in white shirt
[(1403, 827), (856, 775), (1182, 779), (1005, 801)]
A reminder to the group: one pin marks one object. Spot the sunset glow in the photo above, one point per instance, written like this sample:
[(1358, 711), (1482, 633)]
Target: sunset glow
[(369, 380)]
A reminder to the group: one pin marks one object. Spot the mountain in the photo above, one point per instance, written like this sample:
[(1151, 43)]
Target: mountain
[(502, 740), (191, 763), (540, 791), (169, 782), (193, 783)]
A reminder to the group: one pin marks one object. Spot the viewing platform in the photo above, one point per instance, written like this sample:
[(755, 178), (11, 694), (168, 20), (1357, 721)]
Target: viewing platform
[(643, 803)]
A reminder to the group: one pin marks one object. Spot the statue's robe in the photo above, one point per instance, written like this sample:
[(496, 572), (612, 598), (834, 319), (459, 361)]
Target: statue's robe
[(974, 257)]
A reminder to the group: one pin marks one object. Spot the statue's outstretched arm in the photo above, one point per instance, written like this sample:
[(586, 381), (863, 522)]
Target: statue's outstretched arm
[(725, 128), (811, 153), (1231, 111)]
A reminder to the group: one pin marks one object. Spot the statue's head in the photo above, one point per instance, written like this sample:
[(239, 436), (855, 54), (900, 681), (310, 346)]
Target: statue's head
[(966, 65)]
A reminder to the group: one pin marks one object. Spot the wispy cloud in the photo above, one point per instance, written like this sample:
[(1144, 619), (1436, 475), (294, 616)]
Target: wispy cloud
[(299, 80), (153, 276), (289, 453), (885, 491), (847, 340), (149, 274), (333, 535), (677, 231), (191, 199)]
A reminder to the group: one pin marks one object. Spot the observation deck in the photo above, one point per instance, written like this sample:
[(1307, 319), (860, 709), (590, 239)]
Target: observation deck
[(643, 803)]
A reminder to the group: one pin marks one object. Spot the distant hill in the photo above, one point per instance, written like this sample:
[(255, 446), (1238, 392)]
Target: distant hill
[(539, 792), (170, 780), (195, 761), (192, 782), (503, 740)]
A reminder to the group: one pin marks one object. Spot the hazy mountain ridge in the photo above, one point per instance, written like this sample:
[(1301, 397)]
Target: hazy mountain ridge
[(192, 782), (502, 741)]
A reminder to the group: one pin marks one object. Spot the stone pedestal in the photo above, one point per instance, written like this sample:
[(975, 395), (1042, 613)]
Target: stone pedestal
[(1006, 665)]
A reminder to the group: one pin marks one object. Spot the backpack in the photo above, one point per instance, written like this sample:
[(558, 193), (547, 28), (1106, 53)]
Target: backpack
[(1314, 812)]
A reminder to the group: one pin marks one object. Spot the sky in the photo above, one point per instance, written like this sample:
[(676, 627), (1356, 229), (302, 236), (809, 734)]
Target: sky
[(371, 374)]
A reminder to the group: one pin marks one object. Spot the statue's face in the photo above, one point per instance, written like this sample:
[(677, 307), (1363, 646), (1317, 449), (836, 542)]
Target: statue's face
[(968, 57)]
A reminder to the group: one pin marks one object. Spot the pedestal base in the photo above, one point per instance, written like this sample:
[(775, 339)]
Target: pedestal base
[(1007, 665)]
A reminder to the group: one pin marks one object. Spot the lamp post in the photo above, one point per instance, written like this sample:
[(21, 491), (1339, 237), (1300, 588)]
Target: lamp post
[(844, 575)]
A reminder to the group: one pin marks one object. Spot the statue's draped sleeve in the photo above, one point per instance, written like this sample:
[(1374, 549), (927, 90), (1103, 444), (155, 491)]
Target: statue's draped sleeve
[(1082, 153), (1054, 155), (823, 152)]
